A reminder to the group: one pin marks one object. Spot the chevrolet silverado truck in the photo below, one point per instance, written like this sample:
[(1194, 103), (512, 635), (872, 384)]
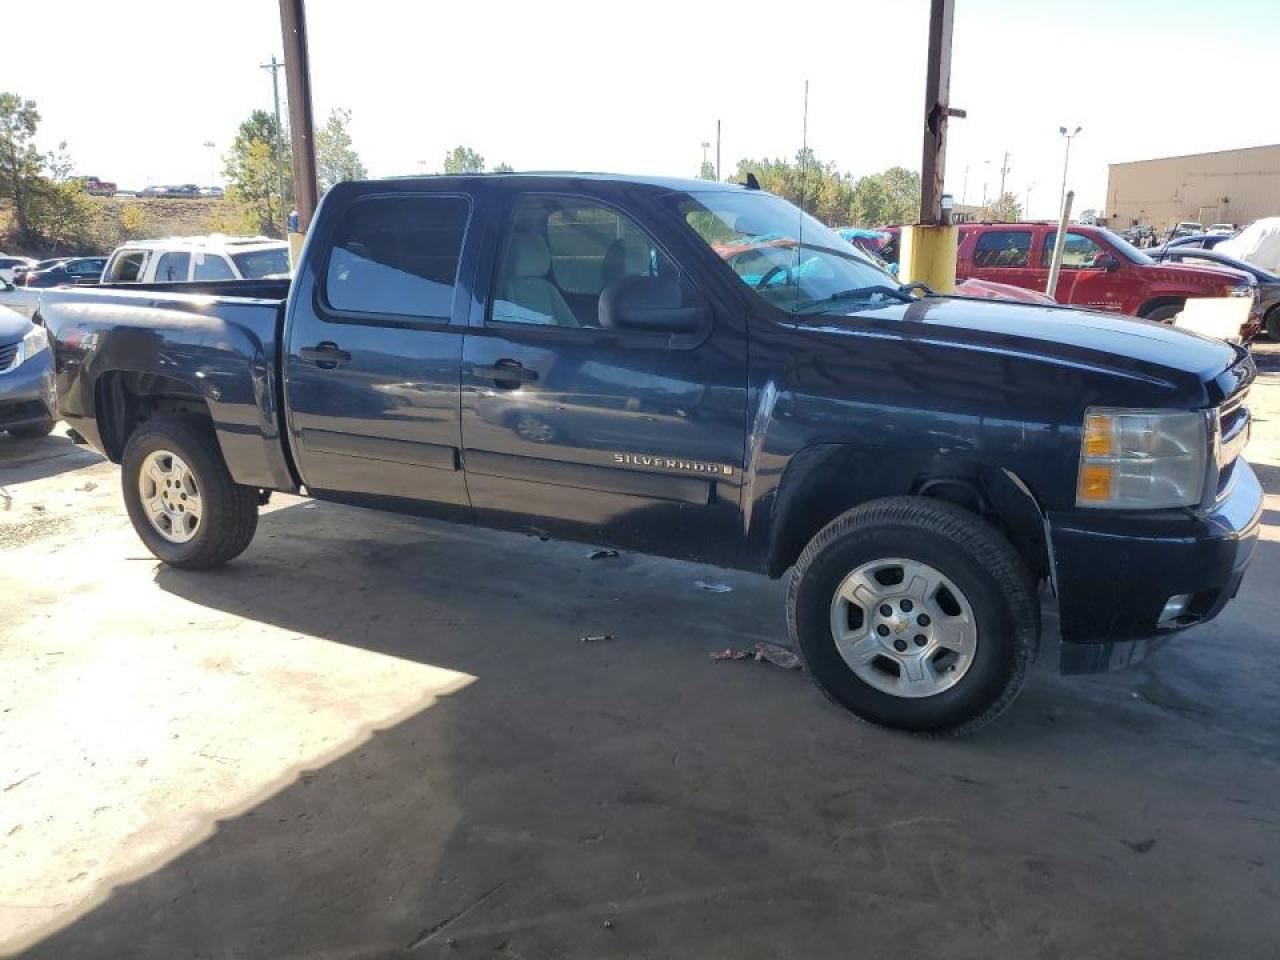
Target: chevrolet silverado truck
[(574, 355)]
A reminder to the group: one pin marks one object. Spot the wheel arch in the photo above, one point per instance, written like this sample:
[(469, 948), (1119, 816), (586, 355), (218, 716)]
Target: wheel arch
[(125, 399), (1151, 304), (823, 481)]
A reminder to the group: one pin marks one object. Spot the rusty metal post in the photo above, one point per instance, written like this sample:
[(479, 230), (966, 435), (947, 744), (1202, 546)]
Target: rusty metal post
[(937, 108), (293, 22)]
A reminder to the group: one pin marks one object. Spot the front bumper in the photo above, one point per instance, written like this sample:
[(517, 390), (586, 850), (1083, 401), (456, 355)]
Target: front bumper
[(1114, 572), (28, 395)]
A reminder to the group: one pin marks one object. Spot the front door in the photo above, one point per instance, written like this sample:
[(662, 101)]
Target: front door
[(1081, 282), (374, 346), (1004, 256), (582, 430)]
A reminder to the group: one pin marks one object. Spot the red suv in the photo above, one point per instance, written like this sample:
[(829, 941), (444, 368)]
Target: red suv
[(1099, 270)]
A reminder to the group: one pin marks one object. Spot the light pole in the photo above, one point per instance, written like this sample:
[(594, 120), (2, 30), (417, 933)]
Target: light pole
[(1066, 157), (213, 152), (1026, 211), (275, 66)]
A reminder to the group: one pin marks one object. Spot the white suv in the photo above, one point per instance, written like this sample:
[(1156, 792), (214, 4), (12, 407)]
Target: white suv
[(215, 257)]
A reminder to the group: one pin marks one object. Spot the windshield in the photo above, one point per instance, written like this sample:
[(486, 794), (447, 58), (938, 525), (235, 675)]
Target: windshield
[(262, 263), (786, 257), (1124, 247)]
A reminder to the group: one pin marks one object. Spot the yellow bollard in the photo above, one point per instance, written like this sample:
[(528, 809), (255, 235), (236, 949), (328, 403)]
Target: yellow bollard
[(928, 255), (295, 248)]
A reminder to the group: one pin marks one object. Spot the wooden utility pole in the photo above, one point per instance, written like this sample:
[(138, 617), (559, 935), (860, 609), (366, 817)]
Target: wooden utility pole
[(937, 108), (293, 22)]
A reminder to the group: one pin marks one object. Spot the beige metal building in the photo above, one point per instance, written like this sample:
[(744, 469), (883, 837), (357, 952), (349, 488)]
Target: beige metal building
[(1227, 186)]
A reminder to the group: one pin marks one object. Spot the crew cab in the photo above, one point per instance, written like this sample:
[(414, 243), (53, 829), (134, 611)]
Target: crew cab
[(590, 357), (211, 258), (1099, 269)]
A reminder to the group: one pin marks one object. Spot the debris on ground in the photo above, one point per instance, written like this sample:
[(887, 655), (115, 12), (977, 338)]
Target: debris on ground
[(38, 507), (779, 656), (602, 554), (597, 638), (308, 506), (88, 486), (712, 587)]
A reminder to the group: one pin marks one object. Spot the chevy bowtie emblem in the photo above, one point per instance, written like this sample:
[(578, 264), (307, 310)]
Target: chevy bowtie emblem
[(651, 461)]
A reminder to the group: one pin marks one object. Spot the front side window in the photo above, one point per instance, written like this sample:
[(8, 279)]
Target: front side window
[(127, 267), (173, 267), (561, 254), (784, 256), (1002, 249), (397, 256), (213, 266), (1078, 252)]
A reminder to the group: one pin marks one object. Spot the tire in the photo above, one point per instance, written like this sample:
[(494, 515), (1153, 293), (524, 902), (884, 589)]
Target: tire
[(34, 431), (1164, 314), (993, 590), (228, 512), (1272, 324)]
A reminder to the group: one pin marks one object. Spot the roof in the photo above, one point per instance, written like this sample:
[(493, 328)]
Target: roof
[(1204, 153), (214, 241), (681, 184)]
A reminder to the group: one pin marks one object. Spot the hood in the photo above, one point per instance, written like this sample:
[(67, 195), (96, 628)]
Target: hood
[(13, 325), (1102, 340), (1194, 274)]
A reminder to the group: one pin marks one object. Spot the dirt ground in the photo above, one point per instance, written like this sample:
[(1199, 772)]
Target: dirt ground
[(377, 736)]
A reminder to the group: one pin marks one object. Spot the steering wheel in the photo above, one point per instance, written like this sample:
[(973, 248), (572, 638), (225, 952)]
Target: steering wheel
[(771, 273)]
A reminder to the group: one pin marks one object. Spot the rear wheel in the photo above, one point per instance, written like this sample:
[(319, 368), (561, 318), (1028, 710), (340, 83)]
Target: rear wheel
[(180, 496), (1272, 323), (915, 614)]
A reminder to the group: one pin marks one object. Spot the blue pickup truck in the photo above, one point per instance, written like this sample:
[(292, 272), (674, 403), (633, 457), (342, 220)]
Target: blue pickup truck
[(695, 370)]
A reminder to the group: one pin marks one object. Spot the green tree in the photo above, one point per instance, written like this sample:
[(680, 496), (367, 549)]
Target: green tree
[(251, 171), (336, 158), (821, 189), (62, 213), (1005, 209), (504, 168), (19, 159), (708, 171), (463, 160), (892, 196)]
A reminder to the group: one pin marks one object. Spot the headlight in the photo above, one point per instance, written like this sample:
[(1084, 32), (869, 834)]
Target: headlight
[(1242, 289), (1142, 459), (35, 340)]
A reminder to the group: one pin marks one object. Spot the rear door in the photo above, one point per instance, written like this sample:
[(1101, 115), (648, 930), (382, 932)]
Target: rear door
[(1003, 255), (374, 344), (629, 438)]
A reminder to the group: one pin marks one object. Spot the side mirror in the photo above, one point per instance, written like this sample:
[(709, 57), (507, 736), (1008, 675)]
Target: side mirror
[(7, 286), (1107, 262), (650, 304)]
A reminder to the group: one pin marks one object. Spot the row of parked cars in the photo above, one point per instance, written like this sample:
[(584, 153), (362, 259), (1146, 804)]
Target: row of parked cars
[(27, 396), (1103, 271)]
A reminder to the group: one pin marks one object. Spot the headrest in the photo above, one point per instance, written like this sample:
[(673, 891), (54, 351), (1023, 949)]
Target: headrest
[(529, 255)]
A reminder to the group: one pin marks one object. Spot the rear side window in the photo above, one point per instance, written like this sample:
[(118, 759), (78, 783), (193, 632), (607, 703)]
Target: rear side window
[(397, 256), (213, 266), (127, 267), (1002, 248), (172, 267)]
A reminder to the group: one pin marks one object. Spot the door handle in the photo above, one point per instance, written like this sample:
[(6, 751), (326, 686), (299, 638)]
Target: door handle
[(325, 355), (508, 374)]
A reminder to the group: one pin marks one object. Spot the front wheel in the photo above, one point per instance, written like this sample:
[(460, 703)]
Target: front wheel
[(1165, 314), (180, 496), (1272, 324), (915, 614)]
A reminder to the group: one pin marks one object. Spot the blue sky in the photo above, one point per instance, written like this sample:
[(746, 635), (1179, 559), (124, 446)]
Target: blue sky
[(136, 92)]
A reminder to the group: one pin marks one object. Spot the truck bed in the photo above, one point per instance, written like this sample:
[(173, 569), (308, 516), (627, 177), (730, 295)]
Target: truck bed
[(214, 342)]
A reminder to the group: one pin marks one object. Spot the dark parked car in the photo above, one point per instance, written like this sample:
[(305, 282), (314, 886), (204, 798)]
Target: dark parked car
[(573, 354), (28, 398), (76, 270), (1195, 241), (1268, 303)]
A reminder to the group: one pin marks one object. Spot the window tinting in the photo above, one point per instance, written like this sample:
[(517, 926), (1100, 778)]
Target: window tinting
[(128, 267), (173, 267), (1078, 251), (213, 266), (560, 254), (1002, 248), (397, 255), (257, 264)]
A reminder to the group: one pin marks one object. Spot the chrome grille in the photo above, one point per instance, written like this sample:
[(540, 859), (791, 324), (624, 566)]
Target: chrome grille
[(1234, 426), (8, 354)]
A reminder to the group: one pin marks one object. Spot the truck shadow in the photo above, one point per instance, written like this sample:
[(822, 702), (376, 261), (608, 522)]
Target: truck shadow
[(25, 460), (606, 798)]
